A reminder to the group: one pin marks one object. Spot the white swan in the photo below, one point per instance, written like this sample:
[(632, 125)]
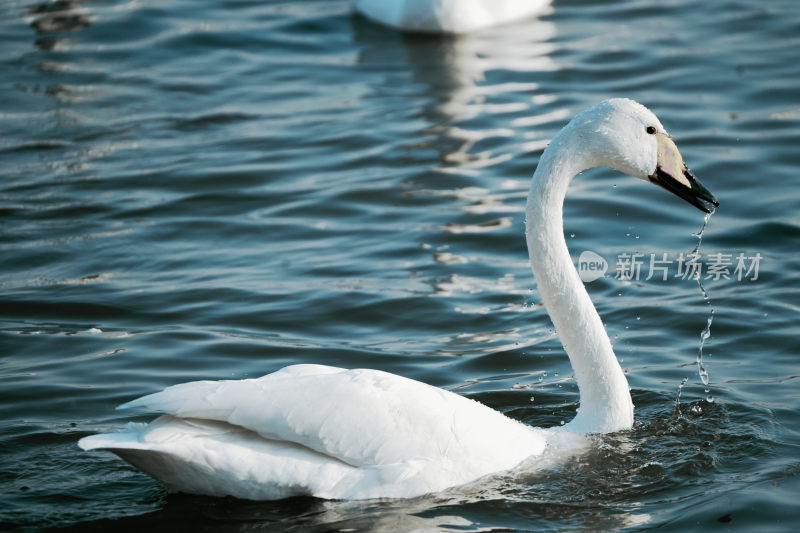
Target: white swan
[(448, 16), (351, 434)]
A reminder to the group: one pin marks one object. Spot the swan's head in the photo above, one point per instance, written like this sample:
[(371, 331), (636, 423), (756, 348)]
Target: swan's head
[(626, 136)]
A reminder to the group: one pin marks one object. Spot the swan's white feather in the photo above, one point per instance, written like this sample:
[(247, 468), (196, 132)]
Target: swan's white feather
[(220, 459), (448, 16), (372, 434)]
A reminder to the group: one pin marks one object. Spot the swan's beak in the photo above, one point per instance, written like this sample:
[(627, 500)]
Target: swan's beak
[(673, 175)]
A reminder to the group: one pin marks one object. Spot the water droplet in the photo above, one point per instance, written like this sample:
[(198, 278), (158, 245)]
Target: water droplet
[(703, 374), (704, 335), (710, 399), (531, 398), (562, 422), (638, 318), (572, 235), (555, 374)]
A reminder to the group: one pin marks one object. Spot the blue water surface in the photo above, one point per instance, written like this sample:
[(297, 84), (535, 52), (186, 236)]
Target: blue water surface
[(211, 190)]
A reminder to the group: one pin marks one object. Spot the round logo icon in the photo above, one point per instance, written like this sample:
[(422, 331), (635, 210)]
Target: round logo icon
[(591, 266)]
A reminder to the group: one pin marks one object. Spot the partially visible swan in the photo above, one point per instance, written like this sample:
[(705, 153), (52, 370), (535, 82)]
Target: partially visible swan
[(448, 16), (350, 434)]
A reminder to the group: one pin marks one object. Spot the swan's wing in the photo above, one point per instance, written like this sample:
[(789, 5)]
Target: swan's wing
[(219, 459), (361, 417)]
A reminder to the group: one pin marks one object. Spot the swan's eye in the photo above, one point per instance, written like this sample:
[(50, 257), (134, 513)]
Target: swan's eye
[(650, 130)]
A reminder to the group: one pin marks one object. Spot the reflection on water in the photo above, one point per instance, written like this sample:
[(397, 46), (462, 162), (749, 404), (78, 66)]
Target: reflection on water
[(74, 89), (475, 88), (460, 74), (61, 16)]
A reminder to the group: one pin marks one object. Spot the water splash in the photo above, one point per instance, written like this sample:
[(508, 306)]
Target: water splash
[(677, 410), (699, 234), (706, 333)]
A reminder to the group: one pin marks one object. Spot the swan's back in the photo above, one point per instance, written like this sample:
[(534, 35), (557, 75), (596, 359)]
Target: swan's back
[(322, 431), (448, 16)]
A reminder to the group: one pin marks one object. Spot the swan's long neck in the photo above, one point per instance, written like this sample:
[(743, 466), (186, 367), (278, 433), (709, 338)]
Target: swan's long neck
[(605, 401)]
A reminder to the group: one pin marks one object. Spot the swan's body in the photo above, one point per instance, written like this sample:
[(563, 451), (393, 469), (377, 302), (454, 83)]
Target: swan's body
[(448, 16), (313, 429), (348, 434)]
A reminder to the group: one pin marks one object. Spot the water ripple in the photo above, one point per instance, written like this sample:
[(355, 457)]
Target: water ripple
[(215, 191)]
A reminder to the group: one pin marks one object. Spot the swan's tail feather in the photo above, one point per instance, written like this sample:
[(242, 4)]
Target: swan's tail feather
[(219, 459), (129, 437)]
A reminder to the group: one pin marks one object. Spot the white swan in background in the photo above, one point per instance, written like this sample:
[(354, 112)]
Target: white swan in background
[(448, 16), (351, 434)]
